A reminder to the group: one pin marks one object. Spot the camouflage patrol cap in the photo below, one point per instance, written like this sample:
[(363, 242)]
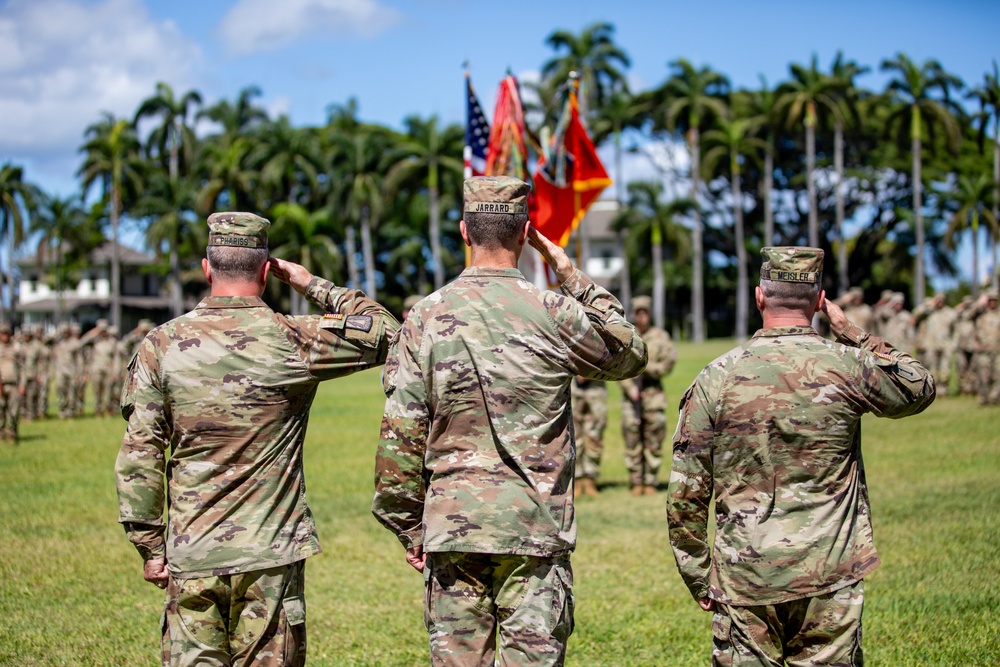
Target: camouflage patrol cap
[(991, 294), (792, 264), (856, 291), (642, 303), (101, 324), (496, 194), (146, 324), (5, 329), (411, 301), (897, 297), (241, 230)]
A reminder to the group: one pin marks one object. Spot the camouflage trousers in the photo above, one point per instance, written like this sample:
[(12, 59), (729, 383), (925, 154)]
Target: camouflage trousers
[(10, 410), (590, 418), (29, 407), (938, 362), (644, 438), (66, 393), (486, 609), (965, 369), (255, 618), (820, 630), (989, 377), (105, 392), (42, 399)]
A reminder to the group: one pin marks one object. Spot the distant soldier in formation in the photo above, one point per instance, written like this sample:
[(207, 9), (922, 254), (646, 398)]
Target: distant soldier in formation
[(965, 347), (644, 405), (895, 322), (856, 309), (66, 360), (988, 348), (935, 322), (11, 384), (104, 371), (31, 371), (590, 418), (46, 370)]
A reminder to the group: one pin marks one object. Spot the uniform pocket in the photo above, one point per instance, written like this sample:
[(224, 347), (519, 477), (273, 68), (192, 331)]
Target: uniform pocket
[(295, 610)]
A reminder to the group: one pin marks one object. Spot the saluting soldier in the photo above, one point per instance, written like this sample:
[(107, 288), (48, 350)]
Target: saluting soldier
[(965, 347), (857, 310), (644, 403), (45, 373), (31, 372), (217, 402), (935, 340), (771, 432), (11, 384), (988, 354), (104, 376)]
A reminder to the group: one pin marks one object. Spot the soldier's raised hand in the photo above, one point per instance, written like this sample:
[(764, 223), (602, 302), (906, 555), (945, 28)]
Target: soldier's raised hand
[(291, 273), (554, 256), (838, 320)]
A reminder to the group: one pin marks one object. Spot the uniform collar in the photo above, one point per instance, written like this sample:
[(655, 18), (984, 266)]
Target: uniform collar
[(801, 330), (490, 272), (231, 302)]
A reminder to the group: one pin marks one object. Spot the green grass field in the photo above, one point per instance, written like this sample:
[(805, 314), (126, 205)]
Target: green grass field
[(71, 590)]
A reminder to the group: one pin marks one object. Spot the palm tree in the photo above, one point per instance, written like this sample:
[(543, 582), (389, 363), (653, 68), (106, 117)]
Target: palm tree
[(238, 118), (970, 195), (112, 157), (596, 59), (912, 88), (988, 95), (62, 227), (798, 101), (301, 237), (425, 152), (733, 138), (17, 199), (173, 138), (688, 101), (288, 161), (842, 73), (227, 176), (650, 221)]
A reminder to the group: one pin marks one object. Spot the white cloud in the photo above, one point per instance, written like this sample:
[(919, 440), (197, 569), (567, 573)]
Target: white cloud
[(63, 62), (260, 25)]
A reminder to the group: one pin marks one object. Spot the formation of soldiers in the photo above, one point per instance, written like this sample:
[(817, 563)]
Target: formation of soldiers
[(33, 362)]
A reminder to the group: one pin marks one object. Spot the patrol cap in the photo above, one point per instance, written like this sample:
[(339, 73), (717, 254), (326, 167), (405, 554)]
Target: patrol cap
[(991, 294), (792, 264), (5, 329), (642, 303), (241, 230), (146, 324), (411, 301), (496, 194), (897, 297), (101, 324), (857, 292)]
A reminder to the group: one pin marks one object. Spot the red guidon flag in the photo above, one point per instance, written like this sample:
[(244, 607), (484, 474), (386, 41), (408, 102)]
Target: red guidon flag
[(568, 179)]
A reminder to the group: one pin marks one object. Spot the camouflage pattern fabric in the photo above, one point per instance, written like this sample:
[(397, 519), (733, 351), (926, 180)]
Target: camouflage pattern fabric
[(32, 371), (66, 360), (935, 343), (644, 437), (476, 451), (257, 618), (896, 329), (988, 358), (590, 418), (860, 314), (771, 430), (485, 609), (41, 399), (965, 349), (817, 630), (226, 390), (12, 382), (104, 376)]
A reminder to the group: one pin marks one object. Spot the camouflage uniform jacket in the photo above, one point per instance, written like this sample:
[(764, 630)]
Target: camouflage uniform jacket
[(772, 430), (34, 351), (12, 363), (476, 451), (226, 389), (662, 357), (105, 357)]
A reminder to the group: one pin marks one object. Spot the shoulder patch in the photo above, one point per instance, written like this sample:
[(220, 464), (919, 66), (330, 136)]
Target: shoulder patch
[(360, 322)]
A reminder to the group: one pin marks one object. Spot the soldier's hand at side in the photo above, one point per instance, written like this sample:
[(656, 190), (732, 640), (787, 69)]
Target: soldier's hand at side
[(707, 604), (155, 572), (838, 320), (554, 256), (291, 273), (416, 558)]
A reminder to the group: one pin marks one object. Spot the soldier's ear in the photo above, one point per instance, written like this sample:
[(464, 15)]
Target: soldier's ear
[(465, 233), (524, 233), (821, 301), (758, 297), (263, 273), (207, 269)]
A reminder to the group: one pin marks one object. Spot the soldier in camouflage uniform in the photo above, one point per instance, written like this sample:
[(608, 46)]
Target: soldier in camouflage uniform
[(965, 346), (856, 309), (896, 324), (45, 374), (644, 404), (988, 348), (771, 432), (104, 376), (11, 384), (474, 472), (65, 361), (590, 418), (935, 343), (31, 371), (218, 400)]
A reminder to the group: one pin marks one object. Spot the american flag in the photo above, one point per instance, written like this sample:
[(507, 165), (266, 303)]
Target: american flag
[(477, 134)]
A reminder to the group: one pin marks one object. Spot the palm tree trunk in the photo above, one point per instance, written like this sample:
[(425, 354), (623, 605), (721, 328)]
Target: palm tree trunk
[(176, 297), (811, 184), (838, 162), (625, 293), (995, 234), (768, 204), (10, 275), (742, 280), (659, 284), (352, 258), (435, 233), (918, 265), (115, 287), (367, 253), (975, 253), (697, 277), (60, 286)]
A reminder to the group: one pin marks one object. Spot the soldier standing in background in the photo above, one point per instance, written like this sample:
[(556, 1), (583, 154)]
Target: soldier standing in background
[(935, 341), (590, 418), (81, 367), (104, 375), (64, 362), (988, 348), (857, 310), (644, 403), (475, 465), (217, 402), (897, 323), (11, 384), (45, 373), (965, 347), (771, 432), (31, 371)]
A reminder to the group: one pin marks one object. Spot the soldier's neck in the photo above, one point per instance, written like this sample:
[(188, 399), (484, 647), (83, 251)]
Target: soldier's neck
[(785, 319), (503, 258), (236, 289)]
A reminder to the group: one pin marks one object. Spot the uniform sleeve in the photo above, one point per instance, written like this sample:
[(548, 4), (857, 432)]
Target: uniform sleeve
[(354, 333), (602, 344), (691, 486), (399, 462), (141, 461), (894, 383)]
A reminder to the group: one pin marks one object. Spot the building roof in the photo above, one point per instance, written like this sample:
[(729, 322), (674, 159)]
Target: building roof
[(71, 303), (101, 255)]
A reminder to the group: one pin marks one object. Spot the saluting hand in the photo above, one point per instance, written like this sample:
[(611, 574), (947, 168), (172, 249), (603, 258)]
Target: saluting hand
[(291, 273), (554, 256), (838, 320)]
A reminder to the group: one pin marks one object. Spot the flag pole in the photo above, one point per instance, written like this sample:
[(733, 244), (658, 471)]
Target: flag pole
[(574, 82), (467, 171)]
